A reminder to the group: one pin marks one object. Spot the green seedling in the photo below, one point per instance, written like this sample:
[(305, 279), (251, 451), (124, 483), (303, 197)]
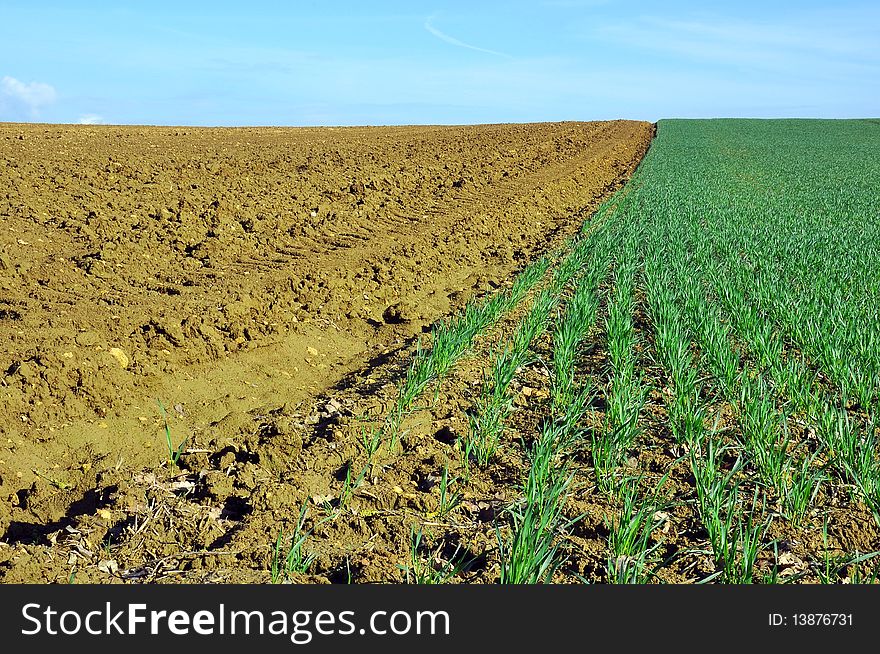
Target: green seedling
[(294, 560), (371, 441), (804, 483), (629, 541), (449, 499), (174, 453), (436, 570), (349, 485)]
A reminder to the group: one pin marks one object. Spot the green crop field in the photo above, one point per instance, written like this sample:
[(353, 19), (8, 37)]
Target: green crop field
[(707, 359)]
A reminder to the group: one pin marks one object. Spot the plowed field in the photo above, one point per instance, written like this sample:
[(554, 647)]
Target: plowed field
[(248, 294)]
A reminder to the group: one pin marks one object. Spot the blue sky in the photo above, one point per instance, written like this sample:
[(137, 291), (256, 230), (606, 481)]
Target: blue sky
[(404, 62)]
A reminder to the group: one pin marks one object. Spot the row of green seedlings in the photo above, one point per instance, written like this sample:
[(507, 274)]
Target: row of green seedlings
[(488, 419), (530, 553), (672, 350), (853, 453), (625, 392), (734, 533), (631, 548), (632, 554), (850, 444)]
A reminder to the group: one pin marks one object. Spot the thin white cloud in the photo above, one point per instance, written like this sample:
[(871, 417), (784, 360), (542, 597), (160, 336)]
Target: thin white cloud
[(805, 49), (454, 41), (91, 119), (25, 99)]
